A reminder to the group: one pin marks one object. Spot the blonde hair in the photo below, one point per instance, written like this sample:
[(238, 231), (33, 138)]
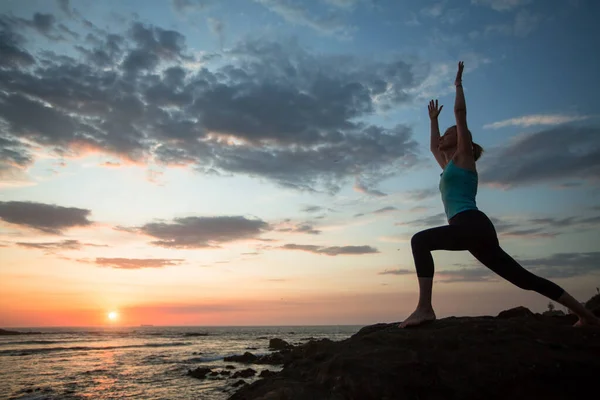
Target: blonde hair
[(477, 149)]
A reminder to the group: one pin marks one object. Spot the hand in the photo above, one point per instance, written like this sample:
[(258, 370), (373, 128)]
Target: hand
[(458, 80), (434, 111)]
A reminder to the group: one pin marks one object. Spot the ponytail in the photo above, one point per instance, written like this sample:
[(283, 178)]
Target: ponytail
[(477, 151)]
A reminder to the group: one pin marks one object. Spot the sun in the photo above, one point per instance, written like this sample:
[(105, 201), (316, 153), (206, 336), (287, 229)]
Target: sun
[(113, 315)]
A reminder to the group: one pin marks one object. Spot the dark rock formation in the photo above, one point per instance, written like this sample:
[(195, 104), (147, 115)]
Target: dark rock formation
[(517, 355), (279, 344), (266, 373), (246, 358), (199, 373), (245, 373)]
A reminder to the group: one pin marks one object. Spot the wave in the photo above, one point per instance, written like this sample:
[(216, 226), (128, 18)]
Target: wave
[(41, 350), (32, 342)]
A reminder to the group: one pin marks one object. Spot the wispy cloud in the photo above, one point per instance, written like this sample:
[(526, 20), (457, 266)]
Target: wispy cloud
[(52, 247), (331, 250), (383, 210), (136, 263), (501, 5), (297, 13), (537, 119), (397, 272)]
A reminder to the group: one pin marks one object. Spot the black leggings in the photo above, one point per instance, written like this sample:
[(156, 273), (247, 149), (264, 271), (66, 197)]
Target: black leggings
[(472, 230)]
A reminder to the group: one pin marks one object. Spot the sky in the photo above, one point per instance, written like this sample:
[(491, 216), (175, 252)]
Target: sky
[(266, 162)]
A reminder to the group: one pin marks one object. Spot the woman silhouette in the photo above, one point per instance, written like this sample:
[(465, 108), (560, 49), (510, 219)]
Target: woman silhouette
[(469, 228)]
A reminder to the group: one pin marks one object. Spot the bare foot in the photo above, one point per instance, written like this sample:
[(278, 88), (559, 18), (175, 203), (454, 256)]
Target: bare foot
[(418, 317), (586, 321)]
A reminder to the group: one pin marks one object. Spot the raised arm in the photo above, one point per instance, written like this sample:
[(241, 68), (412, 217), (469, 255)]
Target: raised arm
[(464, 142), (434, 112)]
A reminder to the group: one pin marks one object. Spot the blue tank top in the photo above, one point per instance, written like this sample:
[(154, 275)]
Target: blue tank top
[(459, 188)]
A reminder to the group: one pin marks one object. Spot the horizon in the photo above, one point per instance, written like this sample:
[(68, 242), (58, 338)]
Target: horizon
[(266, 162)]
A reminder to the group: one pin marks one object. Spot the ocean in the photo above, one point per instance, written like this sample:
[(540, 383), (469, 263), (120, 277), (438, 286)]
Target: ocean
[(144, 362)]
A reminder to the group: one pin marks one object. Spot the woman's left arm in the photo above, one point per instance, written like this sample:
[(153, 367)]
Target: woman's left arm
[(464, 141)]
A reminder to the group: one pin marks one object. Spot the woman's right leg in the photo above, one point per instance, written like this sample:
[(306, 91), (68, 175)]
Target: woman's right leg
[(448, 237)]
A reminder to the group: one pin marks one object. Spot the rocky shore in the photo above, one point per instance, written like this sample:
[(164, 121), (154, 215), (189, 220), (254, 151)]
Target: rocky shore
[(517, 354)]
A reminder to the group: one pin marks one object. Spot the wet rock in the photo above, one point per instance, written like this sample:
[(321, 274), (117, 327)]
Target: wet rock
[(239, 383), (245, 373), (246, 358), (199, 373), (279, 344), (266, 373)]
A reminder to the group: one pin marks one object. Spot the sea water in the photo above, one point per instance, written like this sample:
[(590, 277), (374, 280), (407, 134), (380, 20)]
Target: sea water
[(143, 362)]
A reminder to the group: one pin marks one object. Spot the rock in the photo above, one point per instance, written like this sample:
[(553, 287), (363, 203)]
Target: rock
[(199, 373), (229, 367), (245, 373), (516, 355), (279, 344), (266, 373), (246, 358), (516, 312), (593, 303), (226, 373), (213, 373), (554, 313), (251, 348), (239, 383)]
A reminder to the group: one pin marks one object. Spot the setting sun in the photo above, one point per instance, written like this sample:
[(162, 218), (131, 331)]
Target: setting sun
[(113, 316)]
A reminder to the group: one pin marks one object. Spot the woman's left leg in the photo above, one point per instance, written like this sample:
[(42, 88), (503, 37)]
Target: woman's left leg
[(504, 265)]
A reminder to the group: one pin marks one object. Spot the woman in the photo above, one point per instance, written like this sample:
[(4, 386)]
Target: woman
[(469, 229)]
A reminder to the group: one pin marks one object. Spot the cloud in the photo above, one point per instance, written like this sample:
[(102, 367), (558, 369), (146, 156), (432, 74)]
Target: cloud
[(314, 209), (564, 265), (523, 24), (296, 13), (545, 156), (53, 247), (397, 272), (384, 210), (65, 7), (217, 28), (362, 187), (331, 250), (268, 109), (202, 232), (537, 119), (435, 10), (420, 194), (543, 227), (343, 3), (136, 263), (47, 218), (186, 6), (481, 274), (501, 5), (11, 42), (429, 221), (302, 227)]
